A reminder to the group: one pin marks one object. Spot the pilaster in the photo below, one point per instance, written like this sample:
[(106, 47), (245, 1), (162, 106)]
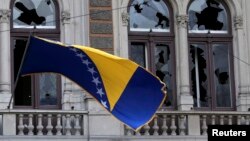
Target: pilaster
[(5, 75), (185, 101), (243, 99)]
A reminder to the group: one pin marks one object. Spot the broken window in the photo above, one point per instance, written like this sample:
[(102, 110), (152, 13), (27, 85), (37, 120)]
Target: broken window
[(221, 74), (207, 15), (152, 15), (198, 70), (30, 13), (211, 80), (151, 42), (138, 53), (210, 55), (163, 68)]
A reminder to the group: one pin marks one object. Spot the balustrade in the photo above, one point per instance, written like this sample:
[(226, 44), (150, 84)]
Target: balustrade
[(165, 123), (175, 123), (46, 122)]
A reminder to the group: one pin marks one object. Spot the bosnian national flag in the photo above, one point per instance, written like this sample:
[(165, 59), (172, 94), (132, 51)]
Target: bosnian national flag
[(126, 90)]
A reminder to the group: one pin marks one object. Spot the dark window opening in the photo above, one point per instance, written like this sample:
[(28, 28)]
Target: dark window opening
[(23, 89), (211, 75), (38, 91), (210, 55), (199, 79), (151, 42)]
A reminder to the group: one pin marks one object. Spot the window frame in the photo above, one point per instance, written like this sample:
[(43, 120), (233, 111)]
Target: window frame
[(21, 31), (151, 39), (23, 34), (208, 39)]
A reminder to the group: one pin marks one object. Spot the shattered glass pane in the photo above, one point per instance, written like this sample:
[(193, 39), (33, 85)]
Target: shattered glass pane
[(138, 53), (221, 75), (163, 69), (198, 70), (207, 15), (30, 13), (149, 15), (47, 89)]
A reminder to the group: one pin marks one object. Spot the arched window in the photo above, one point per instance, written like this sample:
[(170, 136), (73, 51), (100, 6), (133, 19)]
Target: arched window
[(41, 18), (30, 13), (211, 57), (151, 40)]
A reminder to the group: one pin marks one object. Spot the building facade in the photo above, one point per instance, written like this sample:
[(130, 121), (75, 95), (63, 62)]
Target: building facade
[(199, 48)]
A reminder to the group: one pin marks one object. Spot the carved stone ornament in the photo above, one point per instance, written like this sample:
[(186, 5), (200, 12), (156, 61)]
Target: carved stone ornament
[(65, 17), (4, 15), (182, 20), (238, 22), (125, 18)]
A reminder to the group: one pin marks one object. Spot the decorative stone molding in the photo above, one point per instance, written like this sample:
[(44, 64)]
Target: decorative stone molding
[(182, 20), (4, 87), (185, 89), (238, 22), (65, 17), (125, 18), (5, 15)]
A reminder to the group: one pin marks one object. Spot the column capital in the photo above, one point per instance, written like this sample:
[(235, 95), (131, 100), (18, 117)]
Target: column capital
[(182, 20), (238, 22), (125, 18), (65, 17), (5, 15)]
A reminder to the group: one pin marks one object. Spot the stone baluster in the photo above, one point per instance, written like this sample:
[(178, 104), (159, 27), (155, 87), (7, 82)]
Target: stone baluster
[(164, 126), (213, 119), (204, 125), (20, 125), (230, 120), (173, 127), (182, 126), (30, 126), (77, 125), (138, 133), (238, 120), (129, 131), (156, 127), (39, 126), (58, 125), (68, 127), (49, 126), (221, 119), (146, 128)]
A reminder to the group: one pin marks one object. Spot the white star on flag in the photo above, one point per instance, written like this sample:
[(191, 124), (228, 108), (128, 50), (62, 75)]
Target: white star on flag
[(92, 70), (100, 92), (73, 49), (96, 81), (80, 55), (86, 62), (104, 103)]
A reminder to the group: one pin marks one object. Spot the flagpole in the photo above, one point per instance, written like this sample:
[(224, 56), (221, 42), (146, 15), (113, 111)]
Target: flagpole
[(19, 70)]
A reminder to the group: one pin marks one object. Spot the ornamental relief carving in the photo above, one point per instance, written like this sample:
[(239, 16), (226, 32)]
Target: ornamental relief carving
[(182, 20), (5, 15)]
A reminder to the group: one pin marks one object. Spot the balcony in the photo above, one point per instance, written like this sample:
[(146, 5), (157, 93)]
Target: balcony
[(53, 125)]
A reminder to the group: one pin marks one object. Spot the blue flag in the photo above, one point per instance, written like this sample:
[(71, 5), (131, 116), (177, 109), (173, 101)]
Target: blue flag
[(122, 87)]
